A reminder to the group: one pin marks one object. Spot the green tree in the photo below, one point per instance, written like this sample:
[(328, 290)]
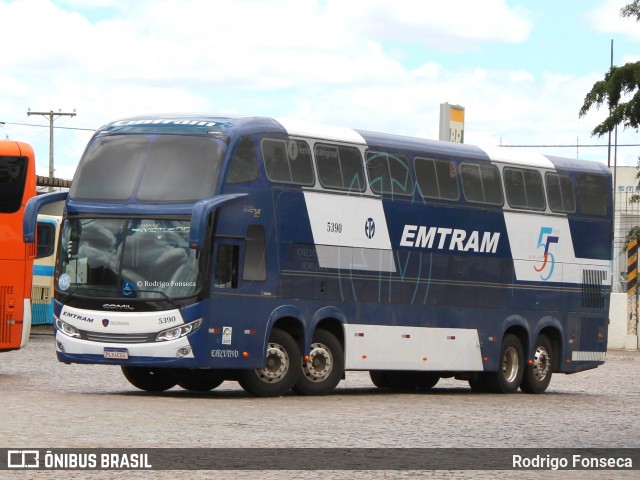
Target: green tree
[(618, 82)]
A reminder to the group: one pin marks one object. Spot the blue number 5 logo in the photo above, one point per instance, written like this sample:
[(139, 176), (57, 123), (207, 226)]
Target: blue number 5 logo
[(548, 259)]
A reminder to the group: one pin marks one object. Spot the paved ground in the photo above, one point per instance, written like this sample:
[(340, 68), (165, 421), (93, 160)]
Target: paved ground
[(47, 404)]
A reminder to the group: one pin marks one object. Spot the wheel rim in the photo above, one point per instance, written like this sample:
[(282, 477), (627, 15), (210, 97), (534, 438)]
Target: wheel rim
[(277, 364), (320, 363), (541, 363), (510, 364)]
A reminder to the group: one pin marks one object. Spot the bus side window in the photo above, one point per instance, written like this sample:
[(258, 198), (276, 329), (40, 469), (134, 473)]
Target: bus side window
[(437, 178), (524, 188), (45, 234), (592, 194), (288, 162), (389, 173), (560, 193), (340, 167), (481, 184), (244, 164), (255, 266), (226, 267)]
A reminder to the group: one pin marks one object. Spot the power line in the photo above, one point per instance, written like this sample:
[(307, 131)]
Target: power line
[(46, 126)]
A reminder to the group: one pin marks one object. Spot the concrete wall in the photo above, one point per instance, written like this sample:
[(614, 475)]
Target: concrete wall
[(618, 338)]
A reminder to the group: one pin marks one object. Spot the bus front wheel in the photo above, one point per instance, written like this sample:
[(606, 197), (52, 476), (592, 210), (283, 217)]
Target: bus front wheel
[(281, 369), (199, 380), (538, 375), (150, 379), (323, 371)]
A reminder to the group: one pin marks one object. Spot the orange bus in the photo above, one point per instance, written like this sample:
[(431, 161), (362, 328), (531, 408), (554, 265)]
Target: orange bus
[(17, 186)]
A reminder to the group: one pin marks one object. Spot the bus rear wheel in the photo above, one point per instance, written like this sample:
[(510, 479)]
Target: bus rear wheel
[(150, 379), (323, 371), (510, 368), (199, 380), (281, 370), (538, 375)]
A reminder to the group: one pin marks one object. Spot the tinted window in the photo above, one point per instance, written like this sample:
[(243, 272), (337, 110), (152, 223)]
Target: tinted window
[(255, 266), (244, 165), (560, 193), (288, 162), (181, 169), (108, 169), (592, 194), (174, 168), (46, 235), (481, 183), (13, 176), (340, 167), (389, 173), (437, 178), (524, 188)]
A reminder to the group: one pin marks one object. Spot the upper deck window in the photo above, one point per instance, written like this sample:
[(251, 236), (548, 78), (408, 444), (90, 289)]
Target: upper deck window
[(170, 168), (481, 183), (560, 193), (340, 167), (524, 188), (592, 194), (288, 162), (13, 176), (389, 173), (437, 178)]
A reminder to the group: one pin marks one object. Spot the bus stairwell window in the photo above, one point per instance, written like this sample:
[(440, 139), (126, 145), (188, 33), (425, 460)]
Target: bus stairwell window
[(226, 267)]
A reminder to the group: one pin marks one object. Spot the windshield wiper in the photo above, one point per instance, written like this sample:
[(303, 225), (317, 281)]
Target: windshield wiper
[(164, 295)]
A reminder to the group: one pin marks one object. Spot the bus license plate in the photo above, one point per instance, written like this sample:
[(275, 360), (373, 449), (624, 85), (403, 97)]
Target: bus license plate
[(117, 353)]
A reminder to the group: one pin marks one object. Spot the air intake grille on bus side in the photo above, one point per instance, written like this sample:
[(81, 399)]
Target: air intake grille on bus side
[(592, 288), (5, 333)]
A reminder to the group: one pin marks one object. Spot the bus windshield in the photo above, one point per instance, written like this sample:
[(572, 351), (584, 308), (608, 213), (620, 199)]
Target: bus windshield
[(151, 168), (127, 258)]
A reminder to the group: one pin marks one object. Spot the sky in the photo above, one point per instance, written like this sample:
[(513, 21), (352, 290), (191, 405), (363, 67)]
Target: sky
[(521, 69)]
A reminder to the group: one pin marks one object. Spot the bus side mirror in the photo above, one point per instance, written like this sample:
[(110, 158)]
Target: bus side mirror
[(200, 214), (31, 210)]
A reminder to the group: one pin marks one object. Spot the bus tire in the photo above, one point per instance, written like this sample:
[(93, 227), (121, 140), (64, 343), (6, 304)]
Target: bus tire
[(426, 380), (150, 379), (510, 367), (408, 380), (281, 371), (537, 376), (478, 383), (199, 380), (380, 378), (322, 373)]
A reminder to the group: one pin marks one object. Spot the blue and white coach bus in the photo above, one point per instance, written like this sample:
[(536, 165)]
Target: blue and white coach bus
[(198, 249)]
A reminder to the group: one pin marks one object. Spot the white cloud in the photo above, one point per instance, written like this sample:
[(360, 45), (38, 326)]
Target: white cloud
[(606, 18), (324, 60)]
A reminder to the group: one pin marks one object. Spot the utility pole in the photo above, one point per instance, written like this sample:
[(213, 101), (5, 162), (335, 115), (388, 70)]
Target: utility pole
[(51, 114)]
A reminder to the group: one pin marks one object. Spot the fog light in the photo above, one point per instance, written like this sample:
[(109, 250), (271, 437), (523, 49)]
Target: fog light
[(183, 352), (59, 346)]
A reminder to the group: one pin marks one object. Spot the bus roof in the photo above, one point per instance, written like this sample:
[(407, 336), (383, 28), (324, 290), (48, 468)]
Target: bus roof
[(228, 125)]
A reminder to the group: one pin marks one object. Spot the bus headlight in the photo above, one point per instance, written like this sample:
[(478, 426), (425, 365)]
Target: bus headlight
[(178, 332), (68, 330)]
